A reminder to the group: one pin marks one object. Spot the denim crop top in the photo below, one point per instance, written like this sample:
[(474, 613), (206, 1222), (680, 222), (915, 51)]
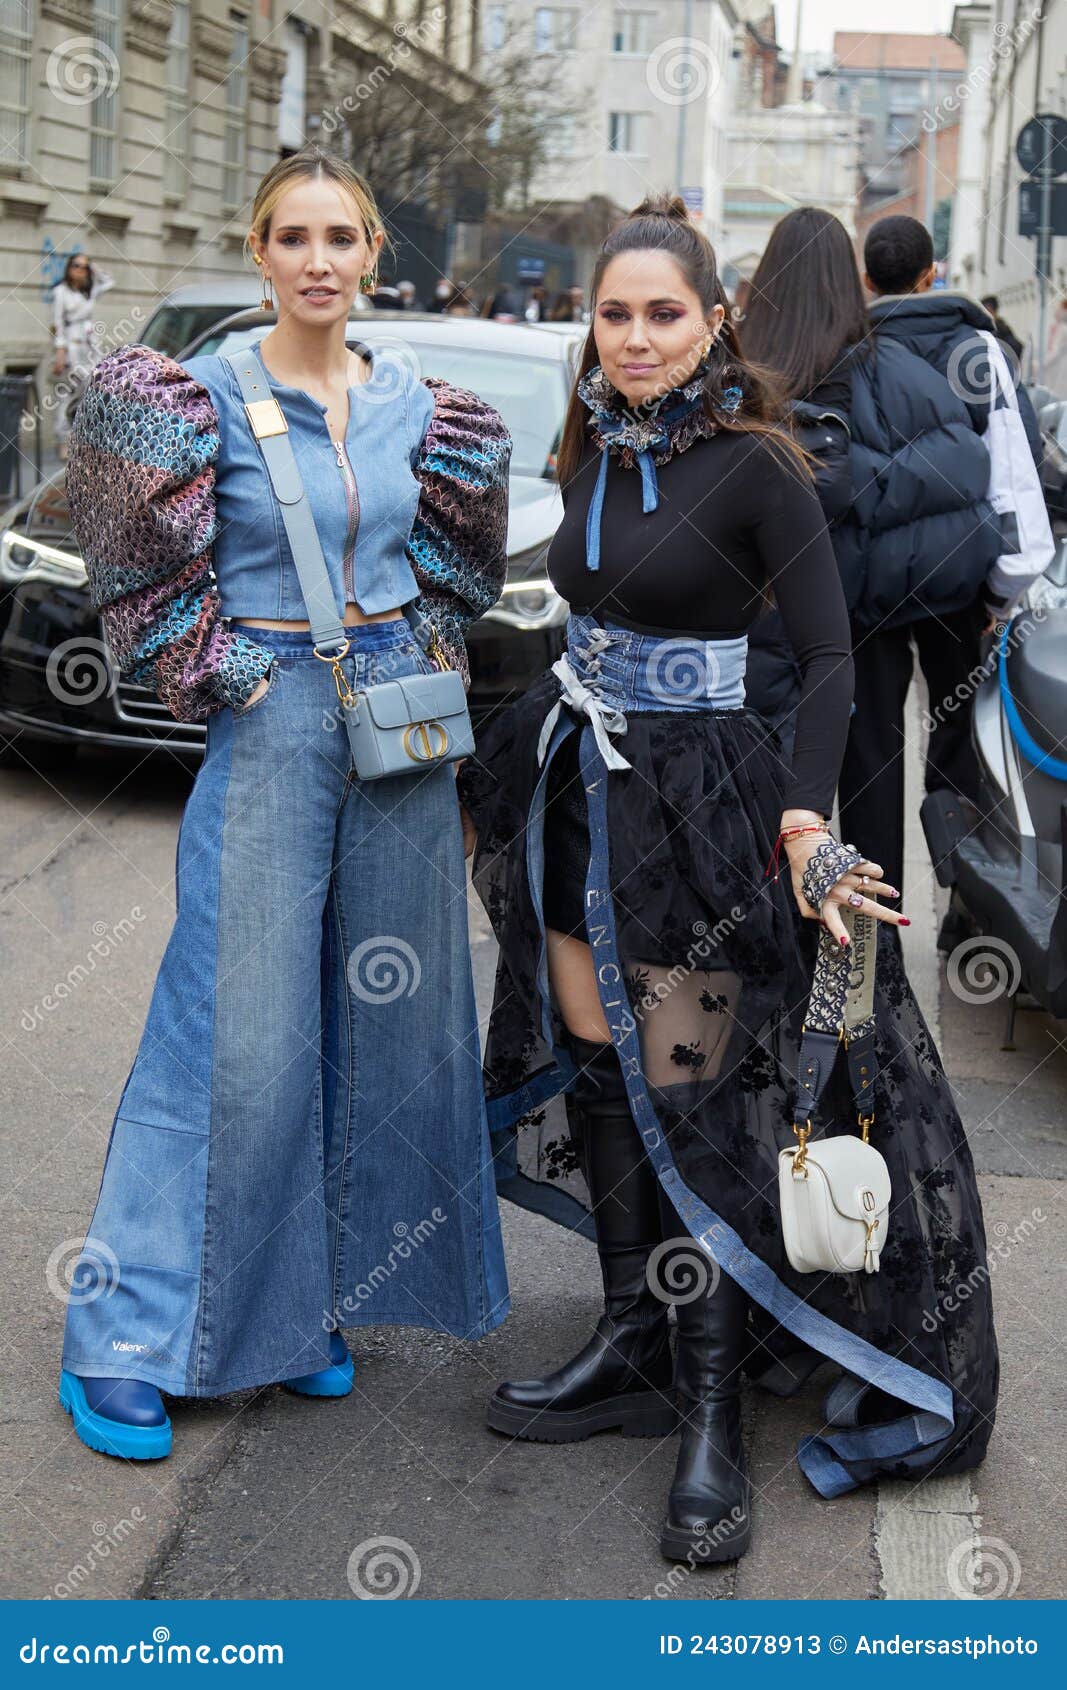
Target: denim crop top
[(141, 486), (363, 509)]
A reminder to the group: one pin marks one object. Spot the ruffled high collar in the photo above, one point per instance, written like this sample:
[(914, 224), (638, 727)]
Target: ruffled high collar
[(645, 436)]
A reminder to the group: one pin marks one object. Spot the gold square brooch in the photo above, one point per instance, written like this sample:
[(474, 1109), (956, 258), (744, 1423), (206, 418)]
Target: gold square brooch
[(266, 417)]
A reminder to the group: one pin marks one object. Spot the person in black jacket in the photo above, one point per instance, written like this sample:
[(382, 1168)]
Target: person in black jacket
[(921, 537), (1004, 331)]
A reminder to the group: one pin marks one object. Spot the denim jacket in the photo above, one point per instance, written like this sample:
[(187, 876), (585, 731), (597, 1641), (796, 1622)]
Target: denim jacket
[(179, 530)]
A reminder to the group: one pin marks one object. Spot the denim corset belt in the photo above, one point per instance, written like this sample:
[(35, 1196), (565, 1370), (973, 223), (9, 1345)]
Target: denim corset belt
[(607, 671)]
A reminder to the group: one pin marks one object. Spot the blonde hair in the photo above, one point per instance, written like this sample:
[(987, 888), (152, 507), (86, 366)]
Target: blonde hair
[(309, 164)]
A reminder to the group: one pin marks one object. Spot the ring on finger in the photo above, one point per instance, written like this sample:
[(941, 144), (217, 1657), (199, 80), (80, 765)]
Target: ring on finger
[(855, 900)]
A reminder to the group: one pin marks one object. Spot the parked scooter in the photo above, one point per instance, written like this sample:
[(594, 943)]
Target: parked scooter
[(1006, 858)]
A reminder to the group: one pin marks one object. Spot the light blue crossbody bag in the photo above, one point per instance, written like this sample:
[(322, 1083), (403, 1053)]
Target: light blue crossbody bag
[(397, 727)]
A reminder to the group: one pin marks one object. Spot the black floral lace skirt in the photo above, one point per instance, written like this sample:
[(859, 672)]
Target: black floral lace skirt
[(704, 967)]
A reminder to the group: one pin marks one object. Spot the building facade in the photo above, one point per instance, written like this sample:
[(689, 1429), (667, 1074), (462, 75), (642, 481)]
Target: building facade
[(653, 87), (135, 131), (1016, 67)]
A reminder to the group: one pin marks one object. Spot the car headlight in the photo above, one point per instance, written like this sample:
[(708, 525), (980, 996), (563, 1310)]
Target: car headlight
[(23, 559)]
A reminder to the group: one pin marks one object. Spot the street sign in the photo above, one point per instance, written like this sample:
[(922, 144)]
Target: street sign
[(1042, 144), (1030, 207)]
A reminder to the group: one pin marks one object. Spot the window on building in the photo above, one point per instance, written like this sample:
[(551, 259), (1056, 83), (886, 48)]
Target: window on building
[(176, 103), (235, 113), (16, 61), (627, 132), (555, 29), (563, 138), (104, 111), (496, 27), (631, 32)]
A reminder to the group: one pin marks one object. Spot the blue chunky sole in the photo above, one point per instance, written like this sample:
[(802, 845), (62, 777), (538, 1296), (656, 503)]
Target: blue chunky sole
[(111, 1437), (327, 1382)]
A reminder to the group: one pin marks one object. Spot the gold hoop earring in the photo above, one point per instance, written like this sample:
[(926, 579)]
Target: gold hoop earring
[(267, 303), (368, 283)]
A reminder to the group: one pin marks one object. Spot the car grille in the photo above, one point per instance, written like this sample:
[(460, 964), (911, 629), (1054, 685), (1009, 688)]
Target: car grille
[(140, 707)]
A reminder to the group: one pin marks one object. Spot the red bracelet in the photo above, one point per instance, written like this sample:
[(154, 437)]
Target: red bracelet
[(791, 833)]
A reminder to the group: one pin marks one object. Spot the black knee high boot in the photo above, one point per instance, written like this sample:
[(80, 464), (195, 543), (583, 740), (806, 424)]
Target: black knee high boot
[(708, 1509), (623, 1377)]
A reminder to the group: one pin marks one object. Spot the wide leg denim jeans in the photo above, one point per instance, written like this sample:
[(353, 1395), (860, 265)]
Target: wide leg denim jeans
[(302, 1139)]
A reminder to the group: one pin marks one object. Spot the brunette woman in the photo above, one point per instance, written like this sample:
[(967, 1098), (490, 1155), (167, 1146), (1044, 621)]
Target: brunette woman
[(654, 965)]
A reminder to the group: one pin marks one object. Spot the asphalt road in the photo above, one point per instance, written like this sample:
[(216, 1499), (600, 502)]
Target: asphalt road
[(267, 1495)]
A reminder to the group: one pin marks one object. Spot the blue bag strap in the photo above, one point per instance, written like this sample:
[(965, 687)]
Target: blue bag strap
[(267, 422)]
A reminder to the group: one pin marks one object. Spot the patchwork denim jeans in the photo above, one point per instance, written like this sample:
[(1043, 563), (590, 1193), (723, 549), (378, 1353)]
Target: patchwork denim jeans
[(302, 1139)]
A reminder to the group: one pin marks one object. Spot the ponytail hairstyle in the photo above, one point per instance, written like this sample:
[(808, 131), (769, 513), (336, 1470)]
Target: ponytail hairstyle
[(661, 223)]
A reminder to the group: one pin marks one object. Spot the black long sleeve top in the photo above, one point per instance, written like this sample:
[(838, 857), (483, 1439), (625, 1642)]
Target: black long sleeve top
[(734, 518)]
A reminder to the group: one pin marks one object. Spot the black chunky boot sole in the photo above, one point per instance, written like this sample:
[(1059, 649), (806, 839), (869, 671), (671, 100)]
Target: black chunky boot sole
[(643, 1414), (728, 1544)]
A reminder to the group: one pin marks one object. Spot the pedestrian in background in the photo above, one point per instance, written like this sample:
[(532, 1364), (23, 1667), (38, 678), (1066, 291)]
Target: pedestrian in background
[(806, 319), (76, 337), (1001, 328), (919, 549)]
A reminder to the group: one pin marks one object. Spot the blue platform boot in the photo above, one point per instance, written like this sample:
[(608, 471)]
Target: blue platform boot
[(332, 1381), (122, 1417)]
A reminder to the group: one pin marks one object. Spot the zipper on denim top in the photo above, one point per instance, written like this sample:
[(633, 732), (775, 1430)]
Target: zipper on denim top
[(348, 475), (352, 495)]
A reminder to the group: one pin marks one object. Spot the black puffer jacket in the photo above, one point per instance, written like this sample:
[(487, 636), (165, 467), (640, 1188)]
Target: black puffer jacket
[(940, 326), (921, 535)]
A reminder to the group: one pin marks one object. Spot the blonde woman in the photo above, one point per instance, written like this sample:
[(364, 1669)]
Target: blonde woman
[(301, 1142)]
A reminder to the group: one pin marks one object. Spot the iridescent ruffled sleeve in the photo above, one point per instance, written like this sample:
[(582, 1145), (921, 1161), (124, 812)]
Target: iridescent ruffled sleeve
[(458, 545), (140, 483)]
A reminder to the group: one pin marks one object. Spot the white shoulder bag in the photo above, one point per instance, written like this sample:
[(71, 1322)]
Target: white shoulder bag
[(835, 1191)]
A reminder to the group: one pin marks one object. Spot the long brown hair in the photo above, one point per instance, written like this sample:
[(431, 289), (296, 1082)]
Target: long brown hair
[(806, 303), (661, 223)]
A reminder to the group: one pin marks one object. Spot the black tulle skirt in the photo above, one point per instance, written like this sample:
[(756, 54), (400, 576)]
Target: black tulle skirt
[(715, 966)]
